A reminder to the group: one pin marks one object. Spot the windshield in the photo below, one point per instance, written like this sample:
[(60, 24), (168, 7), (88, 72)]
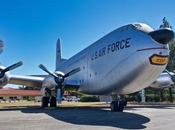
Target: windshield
[(143, 27)]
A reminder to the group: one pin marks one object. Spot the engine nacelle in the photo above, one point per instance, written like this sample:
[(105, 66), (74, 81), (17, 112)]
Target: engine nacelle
[(4, 80), (49, 82)]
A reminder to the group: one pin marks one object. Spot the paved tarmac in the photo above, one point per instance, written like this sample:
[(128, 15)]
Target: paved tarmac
[(88, 118)]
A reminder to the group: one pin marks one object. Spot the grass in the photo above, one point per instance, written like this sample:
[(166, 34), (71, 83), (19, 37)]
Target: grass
[(63, 104), (24, 104), (19, 103), (83, 104)]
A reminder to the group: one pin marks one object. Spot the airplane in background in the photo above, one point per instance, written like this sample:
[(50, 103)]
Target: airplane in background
[(165, 80), (124, 61)]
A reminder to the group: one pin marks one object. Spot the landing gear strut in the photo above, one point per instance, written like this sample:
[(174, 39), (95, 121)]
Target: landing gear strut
[(45, 98), (59, 78), (118, 105), (50, 97), (53, 101), (44, 101)]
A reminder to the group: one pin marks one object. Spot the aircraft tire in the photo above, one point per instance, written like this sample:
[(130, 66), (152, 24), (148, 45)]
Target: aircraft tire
[(117, 106), (53, 102), (125, 103), (113, 106), (45, 101), (121, 106)]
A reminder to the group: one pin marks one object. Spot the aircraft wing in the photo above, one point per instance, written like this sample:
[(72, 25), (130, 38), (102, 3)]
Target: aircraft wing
[(32, 81), (37, 81), (50, 80)]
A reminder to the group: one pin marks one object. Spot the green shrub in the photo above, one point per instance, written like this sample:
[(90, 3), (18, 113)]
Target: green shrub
[(88, 98), (151, 98)]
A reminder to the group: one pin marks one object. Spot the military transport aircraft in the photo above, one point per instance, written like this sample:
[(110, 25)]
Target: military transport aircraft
[(124, 61), (165, 80)]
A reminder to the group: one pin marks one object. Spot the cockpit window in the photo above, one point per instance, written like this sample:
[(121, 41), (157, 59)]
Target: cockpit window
[(137, 25), (143, 27)]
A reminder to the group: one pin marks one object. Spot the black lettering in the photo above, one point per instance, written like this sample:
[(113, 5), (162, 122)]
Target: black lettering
[(99, 53), (109, 47), (104, 50), (96, 55), (122, 46), (113, 47), (117, 45), (127, 43)]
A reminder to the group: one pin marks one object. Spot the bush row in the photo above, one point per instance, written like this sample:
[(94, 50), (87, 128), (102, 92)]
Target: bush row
[(88, 98)]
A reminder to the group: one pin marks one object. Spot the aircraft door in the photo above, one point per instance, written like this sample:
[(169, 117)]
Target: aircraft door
[(84, 71)]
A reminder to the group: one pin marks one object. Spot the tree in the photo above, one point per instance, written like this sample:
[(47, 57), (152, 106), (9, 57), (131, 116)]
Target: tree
[(165, 24), (171, 63)]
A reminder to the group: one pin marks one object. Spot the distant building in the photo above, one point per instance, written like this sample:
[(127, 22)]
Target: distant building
[(17, 94)]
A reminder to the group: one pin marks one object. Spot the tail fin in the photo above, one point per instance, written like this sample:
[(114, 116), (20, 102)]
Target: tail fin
[(58, 53)]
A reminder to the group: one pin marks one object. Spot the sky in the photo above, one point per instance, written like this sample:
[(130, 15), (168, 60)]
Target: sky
[(30, 28)]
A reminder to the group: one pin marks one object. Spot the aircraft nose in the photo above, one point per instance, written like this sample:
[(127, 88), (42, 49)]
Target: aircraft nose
[(163, 36)]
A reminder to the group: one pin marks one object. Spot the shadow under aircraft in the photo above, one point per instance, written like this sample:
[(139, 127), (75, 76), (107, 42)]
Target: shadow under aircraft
[(96, 116)]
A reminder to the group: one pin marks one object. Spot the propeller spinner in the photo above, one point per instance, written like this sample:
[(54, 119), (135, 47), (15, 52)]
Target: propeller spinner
[(59, 77)]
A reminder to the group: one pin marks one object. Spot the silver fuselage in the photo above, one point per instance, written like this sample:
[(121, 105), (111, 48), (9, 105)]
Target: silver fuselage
[(120, 62)]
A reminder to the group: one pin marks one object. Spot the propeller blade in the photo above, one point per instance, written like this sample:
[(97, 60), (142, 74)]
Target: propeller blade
[(47, 71), (72, 72), (168, 72), (14, 66), (172, 76)]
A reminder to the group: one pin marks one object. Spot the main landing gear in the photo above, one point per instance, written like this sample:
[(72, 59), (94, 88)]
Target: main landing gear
[(118, 105), (44, 101), (53, 102), (48, 98)]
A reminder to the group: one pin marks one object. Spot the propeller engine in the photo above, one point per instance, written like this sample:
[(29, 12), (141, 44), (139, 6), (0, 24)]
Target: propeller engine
[(172, 75), (59, 77), (4, 73)]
